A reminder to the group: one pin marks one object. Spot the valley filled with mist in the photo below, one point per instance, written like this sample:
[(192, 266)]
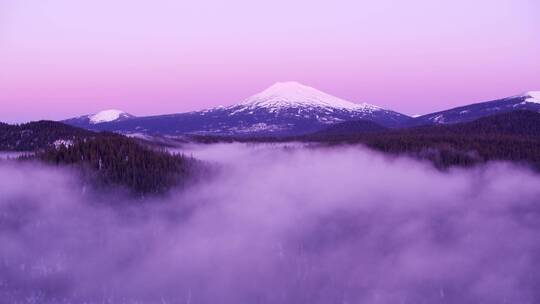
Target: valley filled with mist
[(274, 223), (337, 211)]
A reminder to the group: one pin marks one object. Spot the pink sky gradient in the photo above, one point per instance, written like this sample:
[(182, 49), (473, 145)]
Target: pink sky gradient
[(63, 58)]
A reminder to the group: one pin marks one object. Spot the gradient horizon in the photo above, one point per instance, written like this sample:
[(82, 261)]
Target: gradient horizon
[(60, 59)]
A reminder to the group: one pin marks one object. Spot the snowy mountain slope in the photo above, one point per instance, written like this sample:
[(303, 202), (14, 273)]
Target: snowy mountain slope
[(91, 120), (528, 101), (532, 97), (108, 116), (286, 108)]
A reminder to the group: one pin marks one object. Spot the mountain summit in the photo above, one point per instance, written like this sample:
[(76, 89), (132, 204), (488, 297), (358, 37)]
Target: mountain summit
[(294, 94), (291, 107)]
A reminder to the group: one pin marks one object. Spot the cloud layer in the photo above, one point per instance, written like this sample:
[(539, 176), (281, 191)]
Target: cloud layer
[(277, 225)]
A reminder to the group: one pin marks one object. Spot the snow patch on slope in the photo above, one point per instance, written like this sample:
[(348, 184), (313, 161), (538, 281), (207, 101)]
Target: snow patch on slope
[(533, 96), (107, 116), (294, 94), (62, 142)]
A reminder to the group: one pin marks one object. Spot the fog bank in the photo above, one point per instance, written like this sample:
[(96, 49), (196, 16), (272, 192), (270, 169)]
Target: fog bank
[(277, 225)]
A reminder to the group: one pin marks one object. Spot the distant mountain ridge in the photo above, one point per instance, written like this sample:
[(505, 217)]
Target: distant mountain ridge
[(521, 123), (528, 101), (286, 108), (289, 109)]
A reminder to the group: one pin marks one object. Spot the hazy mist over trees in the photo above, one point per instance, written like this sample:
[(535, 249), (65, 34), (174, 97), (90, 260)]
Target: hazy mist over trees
[(277, 225)]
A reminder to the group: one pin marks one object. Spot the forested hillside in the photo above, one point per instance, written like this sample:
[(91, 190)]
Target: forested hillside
[(349, 127), (106, 160), (513, 136), (37, 135), (116, 161)]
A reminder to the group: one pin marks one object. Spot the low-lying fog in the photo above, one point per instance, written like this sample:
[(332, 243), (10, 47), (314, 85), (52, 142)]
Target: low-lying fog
[(277, 225), (12, 155)]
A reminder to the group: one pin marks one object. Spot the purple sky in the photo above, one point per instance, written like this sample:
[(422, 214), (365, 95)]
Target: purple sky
[(62, 58)]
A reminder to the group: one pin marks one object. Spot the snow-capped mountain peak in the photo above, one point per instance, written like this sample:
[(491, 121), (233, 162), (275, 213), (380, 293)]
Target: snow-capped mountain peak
[(532, 96), (294, 94), (108, 116), (285, 108)]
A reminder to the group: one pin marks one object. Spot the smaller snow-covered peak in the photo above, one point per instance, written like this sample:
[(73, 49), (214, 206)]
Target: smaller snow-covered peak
[(107, 116), (292, 93), (532, 96)]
